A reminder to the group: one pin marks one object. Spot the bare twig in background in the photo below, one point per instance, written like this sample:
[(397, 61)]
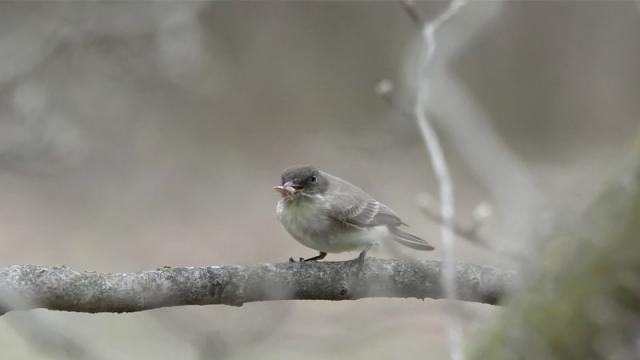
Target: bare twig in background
[(384, 89), (523, 208), (470, 232), (62, 288), (440, 167)]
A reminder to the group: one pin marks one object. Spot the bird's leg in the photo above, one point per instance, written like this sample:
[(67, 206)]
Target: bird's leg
[(361, 258), (319, 257)]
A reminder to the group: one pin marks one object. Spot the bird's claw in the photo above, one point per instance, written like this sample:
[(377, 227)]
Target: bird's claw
[(292, 260), (361, 263), (360, 260)]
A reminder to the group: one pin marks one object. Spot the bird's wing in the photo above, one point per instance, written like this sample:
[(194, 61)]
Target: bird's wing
[(353, 206), (370, 213)]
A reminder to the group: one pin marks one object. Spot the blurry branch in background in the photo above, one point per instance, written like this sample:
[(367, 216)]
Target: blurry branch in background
[(525, 213), (439, 164), (481, 212), (430, 206), (471, 232), (61, 288), (427, 204)]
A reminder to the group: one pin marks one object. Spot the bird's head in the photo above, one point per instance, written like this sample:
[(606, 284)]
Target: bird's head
[(301, 180)]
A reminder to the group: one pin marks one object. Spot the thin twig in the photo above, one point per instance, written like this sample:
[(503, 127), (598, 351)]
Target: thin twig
[(413, 14), (471, 235), (467, 233), (440, 168)]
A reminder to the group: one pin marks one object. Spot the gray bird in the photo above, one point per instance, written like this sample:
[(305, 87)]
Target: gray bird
[(331, 215)]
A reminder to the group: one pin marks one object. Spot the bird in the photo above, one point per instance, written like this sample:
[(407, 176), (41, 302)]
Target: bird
[(331, 215)]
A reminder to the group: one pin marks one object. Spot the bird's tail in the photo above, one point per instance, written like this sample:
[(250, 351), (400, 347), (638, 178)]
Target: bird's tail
[(409, 240)]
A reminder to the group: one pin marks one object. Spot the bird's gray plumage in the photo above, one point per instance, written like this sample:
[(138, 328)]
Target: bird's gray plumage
[(354, 206), (329, 214)]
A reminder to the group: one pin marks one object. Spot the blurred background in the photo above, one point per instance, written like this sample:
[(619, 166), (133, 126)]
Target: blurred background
[(140, 134)]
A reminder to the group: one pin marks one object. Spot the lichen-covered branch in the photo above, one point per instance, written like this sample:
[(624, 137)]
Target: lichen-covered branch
[(62, 288)]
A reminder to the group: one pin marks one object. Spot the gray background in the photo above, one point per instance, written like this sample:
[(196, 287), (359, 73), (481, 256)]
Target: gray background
[(138, 134)]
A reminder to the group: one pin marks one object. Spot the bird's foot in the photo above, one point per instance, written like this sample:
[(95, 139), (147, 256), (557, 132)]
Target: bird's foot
[(315, 258), (361, 262), (292, 260), (361, 259)]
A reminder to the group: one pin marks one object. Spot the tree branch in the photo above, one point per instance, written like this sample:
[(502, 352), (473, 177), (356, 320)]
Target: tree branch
[(25, 287)]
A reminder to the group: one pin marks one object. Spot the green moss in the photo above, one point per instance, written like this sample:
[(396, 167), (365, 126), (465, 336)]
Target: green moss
[(168, 272), (585, 291)]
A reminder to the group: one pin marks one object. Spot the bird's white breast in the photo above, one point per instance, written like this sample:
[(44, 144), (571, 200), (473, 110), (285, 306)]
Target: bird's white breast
[(309, 223), (303, 219)]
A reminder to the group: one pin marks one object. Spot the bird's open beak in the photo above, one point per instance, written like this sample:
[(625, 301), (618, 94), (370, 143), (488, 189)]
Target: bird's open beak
[(288, 189), (284, 191)]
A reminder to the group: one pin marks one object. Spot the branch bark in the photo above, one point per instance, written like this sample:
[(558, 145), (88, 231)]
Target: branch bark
[(25, 287)]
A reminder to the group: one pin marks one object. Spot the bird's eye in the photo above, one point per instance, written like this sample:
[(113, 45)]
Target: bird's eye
[(314, 178)]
